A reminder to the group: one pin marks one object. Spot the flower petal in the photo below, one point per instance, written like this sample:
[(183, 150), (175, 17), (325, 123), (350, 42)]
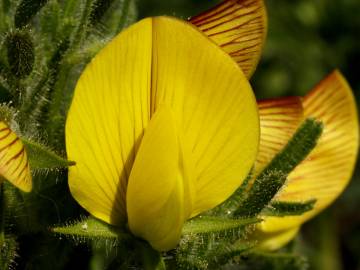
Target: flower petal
[(155, 62), (239, 27), (14, 165), (213, 104), (109, 111), (328, 169), (155, 194), (275, 240), (279, 119)]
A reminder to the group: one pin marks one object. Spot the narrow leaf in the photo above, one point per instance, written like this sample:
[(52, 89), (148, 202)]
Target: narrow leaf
[(215, 224), (91, 228), (41, 157), (272, 178), (278, 208)]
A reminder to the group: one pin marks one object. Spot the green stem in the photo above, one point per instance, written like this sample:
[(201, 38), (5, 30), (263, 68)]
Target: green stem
[(151, 259), (328, 256)]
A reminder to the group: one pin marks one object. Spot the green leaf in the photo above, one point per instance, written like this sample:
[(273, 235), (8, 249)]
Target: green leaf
[(92, 229), (41, 157), (232, 203), (281, 209), (273, 177), (207, 224)]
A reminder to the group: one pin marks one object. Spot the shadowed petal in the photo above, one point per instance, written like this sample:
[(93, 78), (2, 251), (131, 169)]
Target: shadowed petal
[(105, 123), (239, 28), (275, 240), (155, 195)]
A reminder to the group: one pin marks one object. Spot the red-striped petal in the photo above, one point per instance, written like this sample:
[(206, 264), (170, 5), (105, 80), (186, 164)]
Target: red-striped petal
[(14, 164), (279, 119), (239, 27), (329, 167)]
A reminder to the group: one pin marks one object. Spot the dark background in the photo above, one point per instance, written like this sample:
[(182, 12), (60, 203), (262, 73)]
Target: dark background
[(306, 40)]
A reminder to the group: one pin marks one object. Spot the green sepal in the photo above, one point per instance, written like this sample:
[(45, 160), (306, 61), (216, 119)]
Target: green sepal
[(208, 224), (273, 177), (40, 157), (90, 228), (281, 209), (20, 53), (26, 10)]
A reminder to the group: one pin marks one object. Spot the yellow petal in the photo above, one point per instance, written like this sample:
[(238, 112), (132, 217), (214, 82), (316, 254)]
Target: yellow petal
[(106, 120), (239, 27), (275, 240), (155, 194), (155, 62), (14, 164), (329, 167), (213, 104), (279, 119)]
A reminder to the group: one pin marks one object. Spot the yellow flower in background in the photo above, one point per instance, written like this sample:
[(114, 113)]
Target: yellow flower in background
[(328, 169), (239, 28), (14, 165), (163, 126)]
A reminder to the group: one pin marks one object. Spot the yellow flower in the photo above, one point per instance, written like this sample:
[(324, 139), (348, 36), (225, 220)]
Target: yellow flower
[(163, 126), (239, 27), (14, 165), (327, 170)]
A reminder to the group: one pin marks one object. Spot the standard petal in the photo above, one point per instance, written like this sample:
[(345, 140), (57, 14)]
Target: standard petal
[(328, 169), (155, 195), (279, 120), (213, 105), (109, 111), (14, 165), (239, 27), (160, 61)]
